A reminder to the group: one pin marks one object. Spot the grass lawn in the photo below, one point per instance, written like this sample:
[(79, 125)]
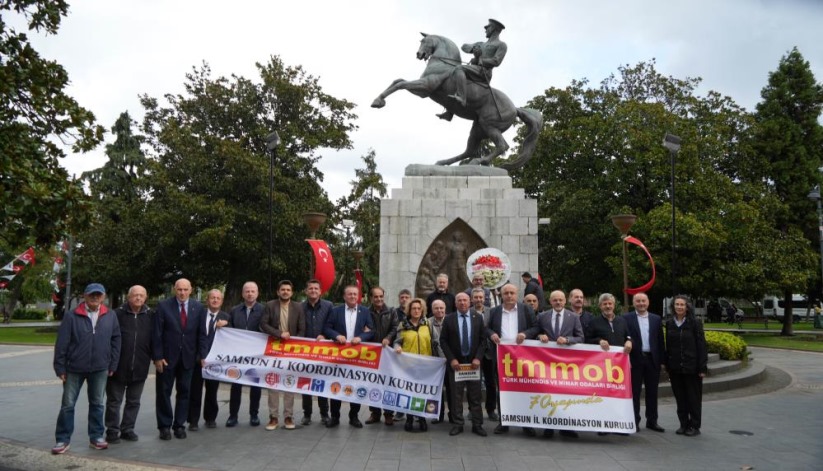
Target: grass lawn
[(751, 324), (799, 342), (29, 335)]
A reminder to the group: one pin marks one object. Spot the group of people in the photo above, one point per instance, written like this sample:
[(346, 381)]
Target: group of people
[(111, 351)]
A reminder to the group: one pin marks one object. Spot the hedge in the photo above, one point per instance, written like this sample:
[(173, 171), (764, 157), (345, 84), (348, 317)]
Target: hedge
[(30, 314), (729, 346)]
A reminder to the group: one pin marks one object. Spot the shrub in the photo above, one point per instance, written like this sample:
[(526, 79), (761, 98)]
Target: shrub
[(729, 346), (30, 314)]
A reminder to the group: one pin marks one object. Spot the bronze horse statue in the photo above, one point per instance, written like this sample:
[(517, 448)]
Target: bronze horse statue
[(491, 111)]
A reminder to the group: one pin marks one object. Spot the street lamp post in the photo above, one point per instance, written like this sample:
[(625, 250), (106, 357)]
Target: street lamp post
[(624, 223), (348, 224), (272, 141), (672, 142), (814, 195)]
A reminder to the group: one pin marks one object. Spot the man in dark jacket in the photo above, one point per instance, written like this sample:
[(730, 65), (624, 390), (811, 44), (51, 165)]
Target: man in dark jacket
[(533, 287), (385, 322), (246, 316), (136, 322), (315, 311), (87, 350), (214, 319)]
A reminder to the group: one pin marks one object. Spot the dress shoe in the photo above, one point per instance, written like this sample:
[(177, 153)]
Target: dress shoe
[(112, 438), (457, 430), (501, 429), (355, 422), (324, 419), (436, 421), (692, 432), (493, 416), (655, 427), (389, 419), (548, 433), (306, 420), (180, 433), (681, 431), (424, 426), (194, 427), (232, 422), (478, 430), (333, 422), (409, 425), (569, 434), (254, 421), (165, 434), (374, 418), (211, 424), (529, 432), (129, 436)]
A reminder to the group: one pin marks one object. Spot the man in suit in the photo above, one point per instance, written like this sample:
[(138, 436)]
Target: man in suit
[(578, 301), (348, 322), (515, 321), (645, 329), (487, 362), (281, 319), (315, 311), (179, 336), (563, 327), (213, 320), (246, 316), (461, 339)]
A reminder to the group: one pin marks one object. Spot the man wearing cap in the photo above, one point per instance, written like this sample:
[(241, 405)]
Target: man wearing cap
[(179, 335), (487, 56), (136, 326), (87, 349)]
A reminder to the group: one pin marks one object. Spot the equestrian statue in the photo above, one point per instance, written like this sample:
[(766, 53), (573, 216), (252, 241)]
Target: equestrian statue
[(464, 90)]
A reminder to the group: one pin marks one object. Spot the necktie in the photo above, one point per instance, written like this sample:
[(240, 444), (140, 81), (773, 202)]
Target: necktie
[(556, 325), (465, 348), (248, 313), (211, 323), (183, 317)]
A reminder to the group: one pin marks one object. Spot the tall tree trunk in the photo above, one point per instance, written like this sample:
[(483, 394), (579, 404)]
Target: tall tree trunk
[(788, 314)]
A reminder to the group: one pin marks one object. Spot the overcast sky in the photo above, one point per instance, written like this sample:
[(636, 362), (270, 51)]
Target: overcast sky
[(115, 50)]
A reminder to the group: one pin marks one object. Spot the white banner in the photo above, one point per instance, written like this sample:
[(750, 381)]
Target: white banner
[(366, 373), (578, 387)]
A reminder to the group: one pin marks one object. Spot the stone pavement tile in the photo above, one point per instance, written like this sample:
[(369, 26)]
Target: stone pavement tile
[(386, 450), (350, 464), (447, 464), (421, 464), (319, 461), (382, 465), (479, 463), (539, 463), (508, 460), (590, 464)]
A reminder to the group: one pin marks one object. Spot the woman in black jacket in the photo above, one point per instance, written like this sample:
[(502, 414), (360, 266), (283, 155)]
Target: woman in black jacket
[(686, 359)]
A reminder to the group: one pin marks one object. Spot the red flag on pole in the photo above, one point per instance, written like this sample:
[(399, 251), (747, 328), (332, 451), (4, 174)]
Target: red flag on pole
[(27, 256), (323, 263), (358, 276), (647, 286)]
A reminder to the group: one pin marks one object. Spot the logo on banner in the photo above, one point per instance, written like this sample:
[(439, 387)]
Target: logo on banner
[(348, 390), (233, 372), (303, 383), (335, 388), (403, 401), (289, 381), (431, 406), (375, 395), (214, 369), (389, 398), (418, 404), (363, 355), (362, 392), (318, 385), (272, 379), (251, 375)]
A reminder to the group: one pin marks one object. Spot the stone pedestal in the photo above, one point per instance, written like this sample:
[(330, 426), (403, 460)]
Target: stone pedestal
[(416, 216)]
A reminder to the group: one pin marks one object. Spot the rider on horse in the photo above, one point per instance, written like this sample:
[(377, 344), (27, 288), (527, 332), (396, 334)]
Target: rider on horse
[(487, 56)]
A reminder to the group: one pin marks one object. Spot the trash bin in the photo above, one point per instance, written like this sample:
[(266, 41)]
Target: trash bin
[(818, 324)]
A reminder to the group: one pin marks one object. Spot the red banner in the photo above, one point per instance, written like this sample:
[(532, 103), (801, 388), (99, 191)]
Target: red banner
[(323, 263), (647, 286)]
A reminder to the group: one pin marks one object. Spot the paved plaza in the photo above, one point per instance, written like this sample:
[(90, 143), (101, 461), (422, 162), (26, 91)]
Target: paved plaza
[(782, 419)]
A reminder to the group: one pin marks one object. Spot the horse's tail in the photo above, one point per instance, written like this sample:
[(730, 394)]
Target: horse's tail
[(534, 124)]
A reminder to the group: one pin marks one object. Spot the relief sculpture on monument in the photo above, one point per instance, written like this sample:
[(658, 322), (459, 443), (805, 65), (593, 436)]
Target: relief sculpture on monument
[(448, 253)]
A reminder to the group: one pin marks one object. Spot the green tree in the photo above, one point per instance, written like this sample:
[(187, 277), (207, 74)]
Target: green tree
[(600, 154), (39, 200), (788, 141), (362, 206), (208, 207)]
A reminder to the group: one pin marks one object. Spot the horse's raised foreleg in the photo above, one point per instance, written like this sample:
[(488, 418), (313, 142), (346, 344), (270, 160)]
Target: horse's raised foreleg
[(500, 145), (421, 87), (476, 136), (380, 101)]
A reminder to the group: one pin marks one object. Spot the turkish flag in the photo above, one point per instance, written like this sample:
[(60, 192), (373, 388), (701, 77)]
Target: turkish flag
[(647, 286), (3, 284), (323, 263), (27, 256), (17, 268), (358, 276)]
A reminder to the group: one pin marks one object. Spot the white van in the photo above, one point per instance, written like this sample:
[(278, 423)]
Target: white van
[(774, 307)]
